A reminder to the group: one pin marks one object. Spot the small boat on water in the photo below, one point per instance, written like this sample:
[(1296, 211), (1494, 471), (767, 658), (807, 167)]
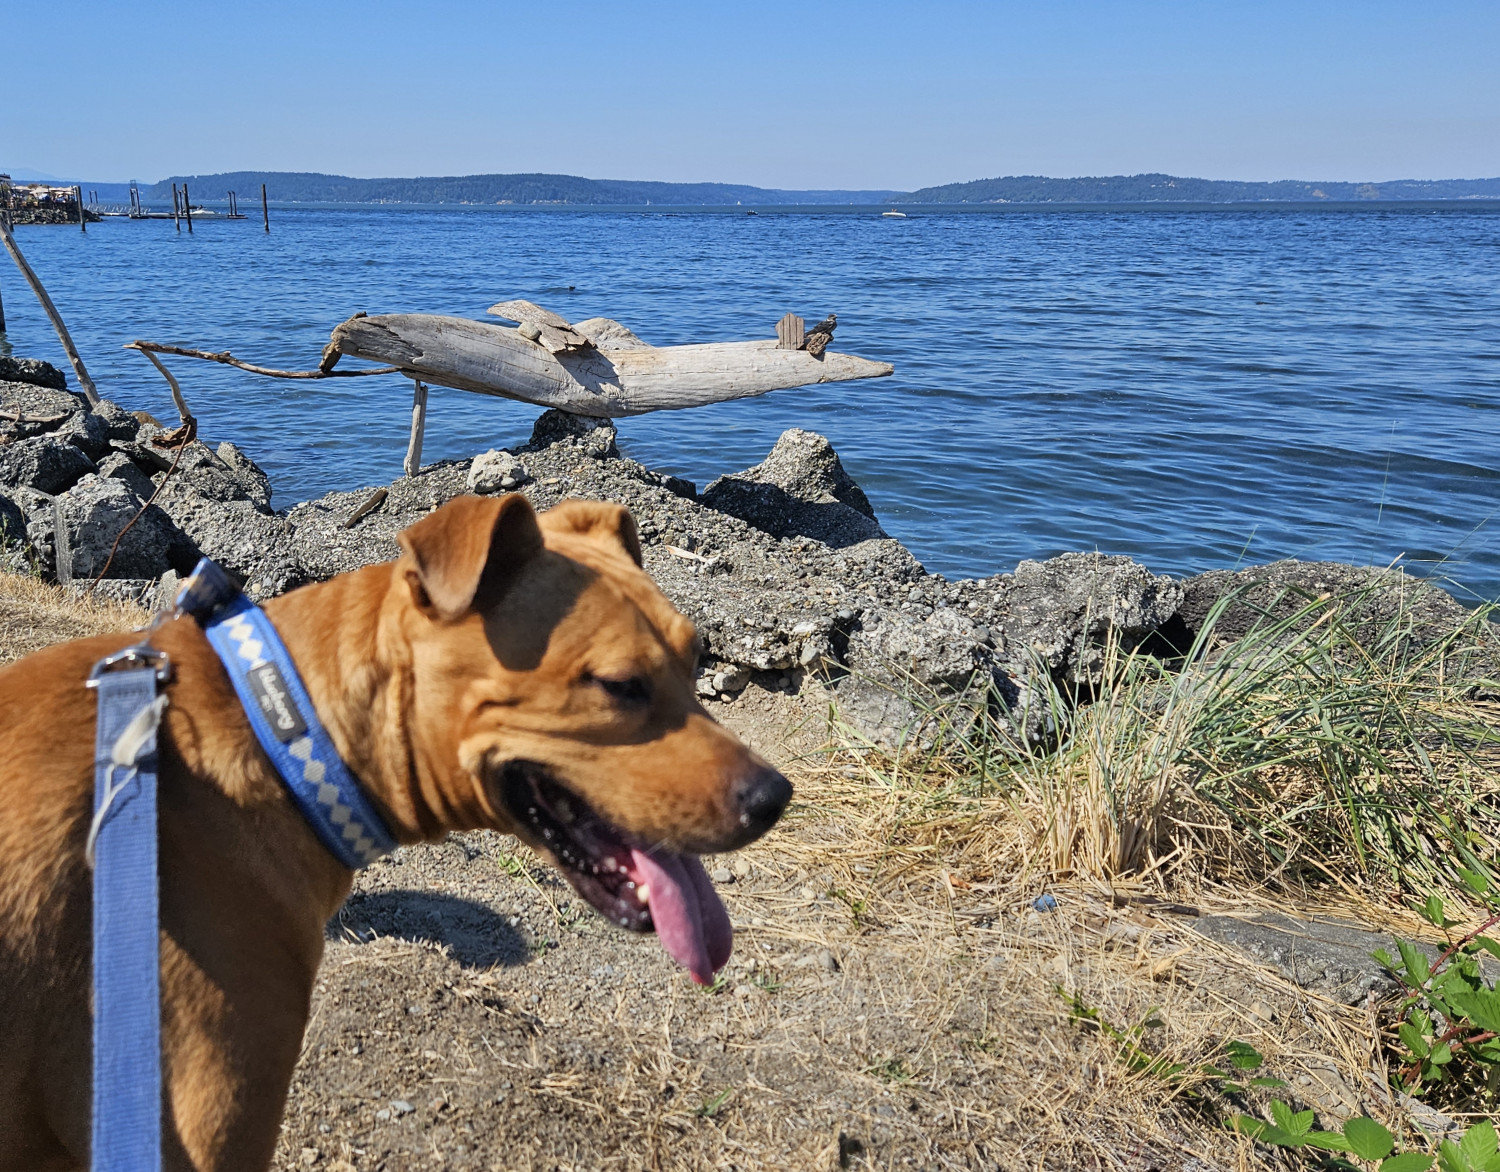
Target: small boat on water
[(893, 214)]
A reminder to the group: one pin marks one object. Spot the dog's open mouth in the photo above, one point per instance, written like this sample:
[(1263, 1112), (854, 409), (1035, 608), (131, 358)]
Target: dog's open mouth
[(638, 887)]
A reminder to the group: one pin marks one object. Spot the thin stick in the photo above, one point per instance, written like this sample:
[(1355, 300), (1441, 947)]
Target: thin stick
[(181, 403), (56, 318), (225, 358), (265, 208)]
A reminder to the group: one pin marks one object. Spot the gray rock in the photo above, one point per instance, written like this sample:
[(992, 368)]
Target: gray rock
[(732, 678), (96, 511), (39, 509), (800, 489), (12, 523), (120, 467), (496, 471), (1061, 612), (38, 405), (1333, 959), (251, 477), (138, 591), (904, 669), (255, 546), (43, 463), (594, 437), (122, 425), (1368, 598), (33, 371), (323, 547), (87, 432)]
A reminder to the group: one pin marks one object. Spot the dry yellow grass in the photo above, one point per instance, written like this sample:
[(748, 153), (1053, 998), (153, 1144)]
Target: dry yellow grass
[(34, 614)]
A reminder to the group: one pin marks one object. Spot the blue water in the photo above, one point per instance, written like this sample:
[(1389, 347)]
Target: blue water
[(1194, 388)]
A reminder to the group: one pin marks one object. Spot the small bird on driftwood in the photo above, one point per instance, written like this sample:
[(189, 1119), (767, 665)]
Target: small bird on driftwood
[(820, 335)]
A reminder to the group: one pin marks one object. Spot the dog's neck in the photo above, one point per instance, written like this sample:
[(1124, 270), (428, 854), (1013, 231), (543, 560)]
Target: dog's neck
[(361, 686)]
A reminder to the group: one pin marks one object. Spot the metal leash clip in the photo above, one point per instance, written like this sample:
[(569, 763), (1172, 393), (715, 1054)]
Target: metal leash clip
[(139, 655)]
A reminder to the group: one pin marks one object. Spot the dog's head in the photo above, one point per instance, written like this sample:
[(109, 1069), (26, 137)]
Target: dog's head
[(553, 696)]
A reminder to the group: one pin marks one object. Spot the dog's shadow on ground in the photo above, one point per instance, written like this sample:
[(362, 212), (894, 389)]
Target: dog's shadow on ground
[(474, 935)]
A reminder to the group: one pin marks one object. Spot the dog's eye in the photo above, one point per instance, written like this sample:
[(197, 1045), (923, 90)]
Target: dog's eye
[(631, 692)]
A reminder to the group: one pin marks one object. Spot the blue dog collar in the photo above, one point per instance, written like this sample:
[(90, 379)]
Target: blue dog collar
[(284, 719)]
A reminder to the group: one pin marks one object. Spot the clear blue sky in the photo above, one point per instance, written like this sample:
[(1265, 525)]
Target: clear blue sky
[(770, 93)]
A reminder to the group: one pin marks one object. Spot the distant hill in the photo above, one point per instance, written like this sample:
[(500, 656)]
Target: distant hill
[(1175, 189), (307, 187)]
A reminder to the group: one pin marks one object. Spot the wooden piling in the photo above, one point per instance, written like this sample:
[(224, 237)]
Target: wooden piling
[(82, 223), (265, 208), (418, 425), (51, 310), (187, 209), (176, 214)]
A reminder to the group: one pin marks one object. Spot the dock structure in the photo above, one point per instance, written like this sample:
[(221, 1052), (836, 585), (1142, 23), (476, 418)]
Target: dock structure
[(42, 203)]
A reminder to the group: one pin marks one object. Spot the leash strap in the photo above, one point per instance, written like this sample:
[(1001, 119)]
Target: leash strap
[(127, 951), (284, 719)]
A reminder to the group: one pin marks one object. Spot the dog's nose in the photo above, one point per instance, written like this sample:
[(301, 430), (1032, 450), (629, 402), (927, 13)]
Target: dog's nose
[(762, 799)]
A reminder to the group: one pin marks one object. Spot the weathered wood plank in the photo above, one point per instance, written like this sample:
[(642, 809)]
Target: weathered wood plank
[(497, 360), (413, 463), (552, 330), (789, 332)]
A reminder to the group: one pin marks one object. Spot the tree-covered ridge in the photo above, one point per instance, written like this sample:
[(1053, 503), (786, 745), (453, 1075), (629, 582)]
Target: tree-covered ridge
[(1156, 188), (309, 187), (496, 189)]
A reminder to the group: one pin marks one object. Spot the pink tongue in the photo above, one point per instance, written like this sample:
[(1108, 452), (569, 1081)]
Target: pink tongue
[(690, 921)]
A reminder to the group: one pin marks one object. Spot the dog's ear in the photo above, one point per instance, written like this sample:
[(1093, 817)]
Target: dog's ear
[(596, 519), (468, 551)]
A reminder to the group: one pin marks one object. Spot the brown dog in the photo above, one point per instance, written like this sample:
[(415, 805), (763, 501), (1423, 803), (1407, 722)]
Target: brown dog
[(509, 671)]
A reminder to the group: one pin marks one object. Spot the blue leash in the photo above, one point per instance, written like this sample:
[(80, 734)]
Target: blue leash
[(127, 953), (122, 840)]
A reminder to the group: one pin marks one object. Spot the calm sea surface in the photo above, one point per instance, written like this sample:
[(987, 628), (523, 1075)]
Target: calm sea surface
[(1194, 388)]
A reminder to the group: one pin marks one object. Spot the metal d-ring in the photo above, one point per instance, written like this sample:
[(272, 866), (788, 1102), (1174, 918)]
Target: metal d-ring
[(140, 655)]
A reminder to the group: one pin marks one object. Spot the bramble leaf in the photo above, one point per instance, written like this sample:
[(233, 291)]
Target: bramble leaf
[(1415, 961), (1432, 910), (1367, 1139), (1412, 1039), (1329, 1141), (1479, 1146), (1474, 881), (1297, 1123), (1481, 1006), (1450, 1159), (1407, 1162), (1243, 1056)]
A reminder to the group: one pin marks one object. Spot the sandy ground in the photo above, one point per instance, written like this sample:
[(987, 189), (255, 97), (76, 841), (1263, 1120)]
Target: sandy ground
[(472, 1013), (880, 1011)]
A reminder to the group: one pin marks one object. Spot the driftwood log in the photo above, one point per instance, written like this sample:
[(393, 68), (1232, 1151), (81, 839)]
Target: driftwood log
[(615, 374)]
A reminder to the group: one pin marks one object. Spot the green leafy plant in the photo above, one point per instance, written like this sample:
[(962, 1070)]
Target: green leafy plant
[(1449, 1023), (1364, 1144), (892, 1070), (857, 906)]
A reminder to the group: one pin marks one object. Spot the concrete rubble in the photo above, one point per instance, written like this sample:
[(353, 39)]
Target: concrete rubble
[(784, 567)]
